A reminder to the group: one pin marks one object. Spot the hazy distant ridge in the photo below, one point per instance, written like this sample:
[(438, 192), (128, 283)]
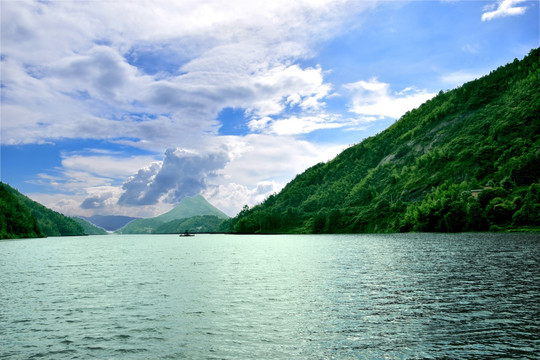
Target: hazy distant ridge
[(109, 222), (196, 206)]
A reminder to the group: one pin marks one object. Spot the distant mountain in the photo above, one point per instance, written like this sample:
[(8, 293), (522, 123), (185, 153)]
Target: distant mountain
[(187, 208), (202, 223), (22, 217), (109, 222), (466, 160), (89, 228), (140, 226)]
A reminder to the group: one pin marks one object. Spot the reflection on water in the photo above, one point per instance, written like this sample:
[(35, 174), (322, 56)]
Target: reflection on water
[(245, 297)]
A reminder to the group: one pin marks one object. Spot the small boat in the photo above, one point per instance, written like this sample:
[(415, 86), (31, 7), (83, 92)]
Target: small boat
[(186, 233)]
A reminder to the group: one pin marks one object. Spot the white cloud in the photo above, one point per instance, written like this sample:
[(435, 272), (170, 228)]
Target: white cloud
[(262, 165), (457, 78), (504, 8), (302, 125), (373, 97), (77, 69), (86, 175), (107, 204), (106, 165), (231, 172), (295, 125), (231, 197), (259, 158), (155, 75), (181, 173)]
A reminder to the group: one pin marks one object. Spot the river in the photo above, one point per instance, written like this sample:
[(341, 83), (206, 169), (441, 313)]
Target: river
[(402, 296)]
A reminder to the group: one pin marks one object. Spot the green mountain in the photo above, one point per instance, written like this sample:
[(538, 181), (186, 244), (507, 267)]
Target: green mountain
[(466, 160), (203, 223), (88, 227), (16, 221), (22, 217), (187, 208)]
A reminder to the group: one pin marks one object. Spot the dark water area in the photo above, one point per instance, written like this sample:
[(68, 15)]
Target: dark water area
[(403, 296)]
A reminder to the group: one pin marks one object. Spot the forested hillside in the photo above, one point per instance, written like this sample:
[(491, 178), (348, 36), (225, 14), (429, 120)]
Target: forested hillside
[(16, 221), (197, 224), (21, 217), (204, 214), (466, 160), (88, 227)]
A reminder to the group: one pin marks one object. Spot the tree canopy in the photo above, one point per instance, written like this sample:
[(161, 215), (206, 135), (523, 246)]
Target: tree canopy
[(21, 217)]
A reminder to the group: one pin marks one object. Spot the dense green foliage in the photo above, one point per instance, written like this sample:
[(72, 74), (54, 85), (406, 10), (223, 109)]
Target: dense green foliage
[(194, 224), (16, 221), (140, 226), (89, 228), (26, 214), (422, 173), (196, 206)]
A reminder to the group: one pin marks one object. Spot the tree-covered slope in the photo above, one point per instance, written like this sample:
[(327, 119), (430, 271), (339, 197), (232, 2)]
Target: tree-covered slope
[(49, 222), (466, 160), (187, 208), (194, 224), (140, 226), (89, 228), (16, 221)]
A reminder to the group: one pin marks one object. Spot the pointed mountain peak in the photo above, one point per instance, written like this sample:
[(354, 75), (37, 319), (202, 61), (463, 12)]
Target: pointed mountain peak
[(192, 206)]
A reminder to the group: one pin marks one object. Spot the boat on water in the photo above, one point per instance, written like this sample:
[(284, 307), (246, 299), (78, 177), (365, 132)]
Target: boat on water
[(186, 233)]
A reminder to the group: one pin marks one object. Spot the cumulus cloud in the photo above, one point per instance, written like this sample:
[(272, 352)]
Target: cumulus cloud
[(373, 97), (259, 157), (260, 166), (504, 8), (79, 69), (181, 173), (231, 197), (230, 171), (91, 179), (96, 202), (157, 80)]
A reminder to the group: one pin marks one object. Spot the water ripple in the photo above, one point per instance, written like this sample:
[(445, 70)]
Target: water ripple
[(412, 296)]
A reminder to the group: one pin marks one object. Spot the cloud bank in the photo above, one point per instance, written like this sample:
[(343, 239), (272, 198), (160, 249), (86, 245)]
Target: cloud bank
[(85, 69), (153, 78), (181, 173)]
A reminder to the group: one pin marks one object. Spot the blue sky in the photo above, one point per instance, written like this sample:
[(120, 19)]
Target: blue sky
[(124, 108)]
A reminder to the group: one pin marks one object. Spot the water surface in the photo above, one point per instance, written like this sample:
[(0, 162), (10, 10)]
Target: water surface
[(412, 296)]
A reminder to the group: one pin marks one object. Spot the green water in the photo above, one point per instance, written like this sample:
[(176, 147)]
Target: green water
[(271, 297)]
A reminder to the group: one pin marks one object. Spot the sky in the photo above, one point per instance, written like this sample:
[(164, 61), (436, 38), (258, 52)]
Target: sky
[(127, 107)]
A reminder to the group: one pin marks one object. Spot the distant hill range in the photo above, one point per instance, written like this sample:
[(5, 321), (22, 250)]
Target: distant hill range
[(109, 222), (466, 160), (21, 217), (193, 214)]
